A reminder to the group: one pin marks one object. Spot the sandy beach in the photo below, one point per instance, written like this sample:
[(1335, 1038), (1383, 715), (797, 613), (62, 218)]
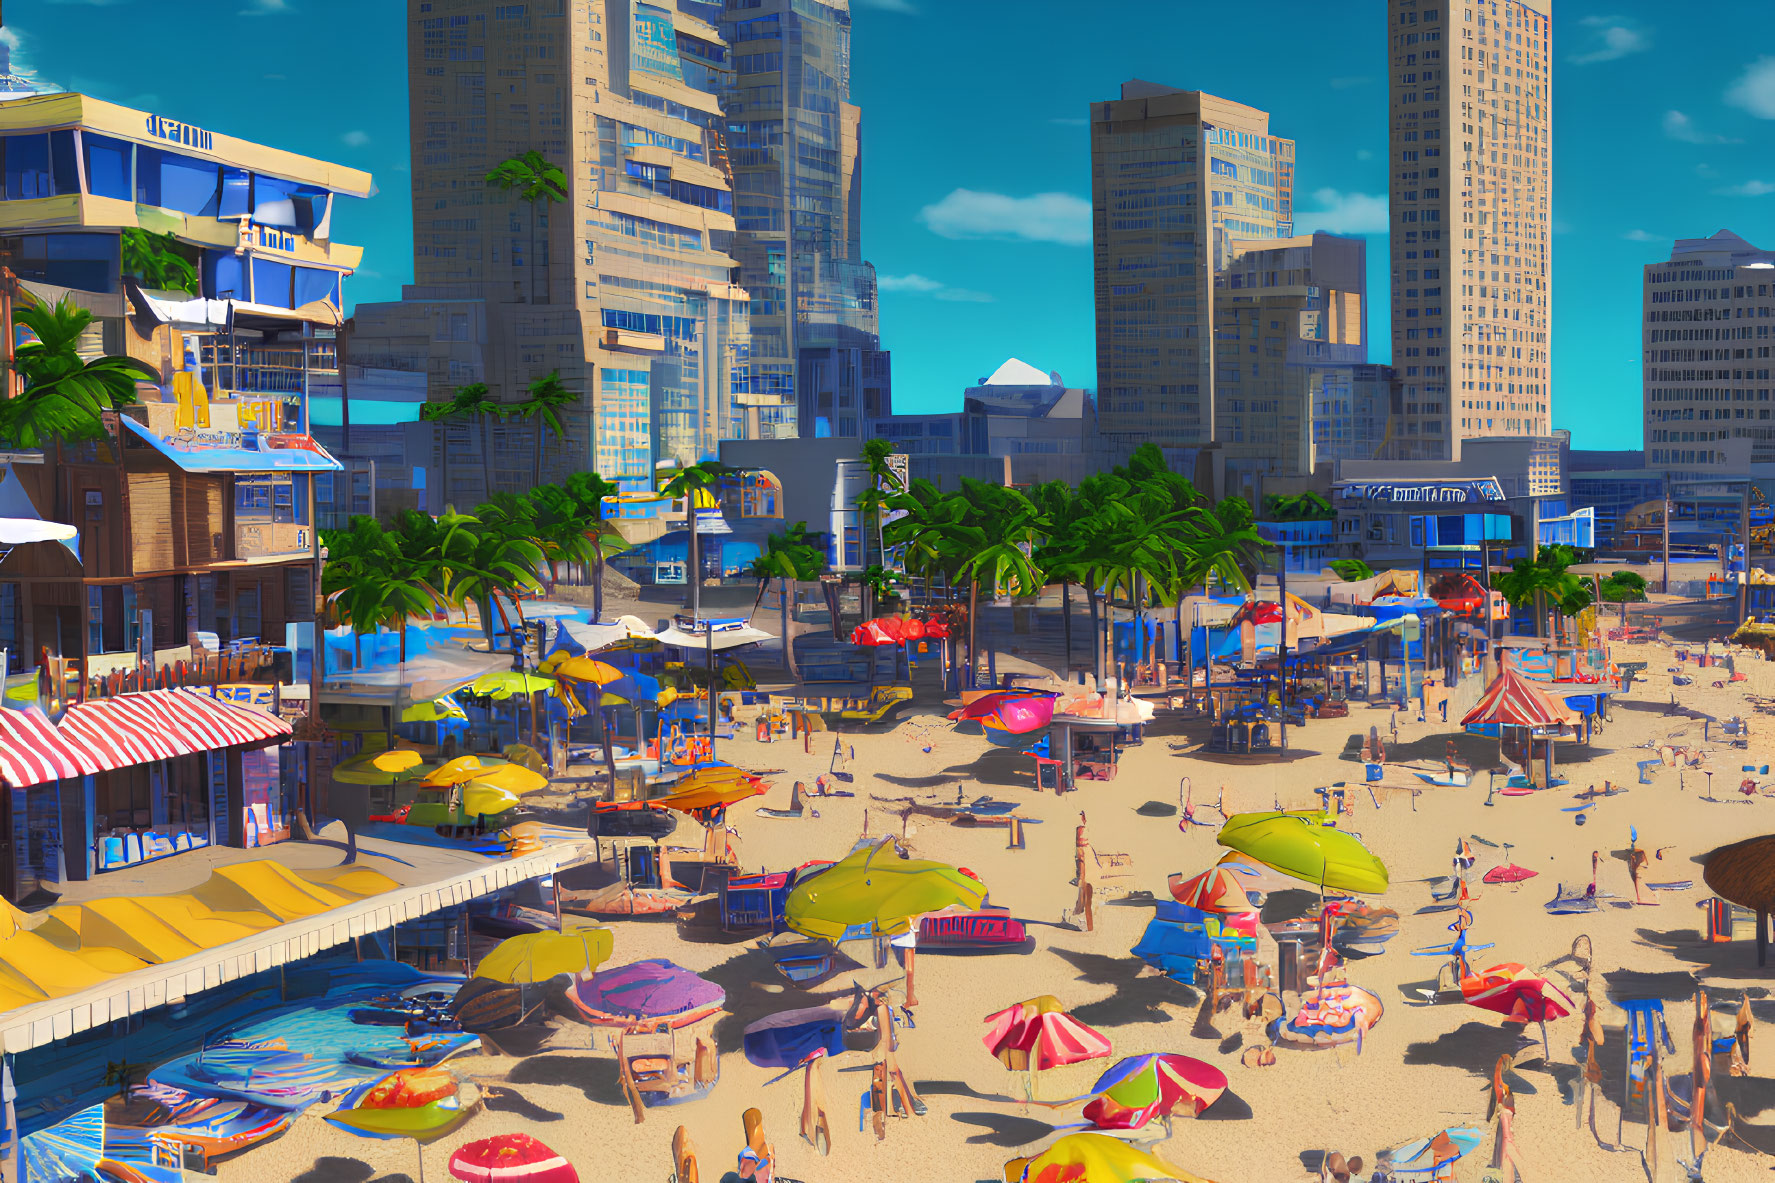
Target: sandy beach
[(1423, 1067)]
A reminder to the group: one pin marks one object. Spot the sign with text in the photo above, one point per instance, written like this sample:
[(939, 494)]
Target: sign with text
[(1448, 492)]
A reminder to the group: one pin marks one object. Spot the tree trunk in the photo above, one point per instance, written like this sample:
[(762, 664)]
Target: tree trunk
[(486, 456), (788, 641), (1096, 635), (973, 625), (598, 587), (1066, 626), (694, 569)]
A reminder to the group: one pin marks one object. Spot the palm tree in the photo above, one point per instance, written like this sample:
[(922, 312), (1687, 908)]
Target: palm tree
[(504, 563), (690, 482), (537, 182), (547, 396), (561, 530), (156, 261), (1351, 570), (589, 491), (1223, 544), (1545, 579), (872, 504), (469, 403), (375, 578), (788, 556), (65, 396)]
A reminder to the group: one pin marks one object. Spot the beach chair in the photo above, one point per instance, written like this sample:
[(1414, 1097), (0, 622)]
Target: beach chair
[(1645, 1026)]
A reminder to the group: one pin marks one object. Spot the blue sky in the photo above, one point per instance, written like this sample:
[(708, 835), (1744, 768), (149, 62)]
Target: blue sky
[(976, 151)]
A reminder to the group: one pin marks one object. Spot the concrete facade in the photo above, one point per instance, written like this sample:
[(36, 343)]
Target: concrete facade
[(1177, 177), (1471, 207)]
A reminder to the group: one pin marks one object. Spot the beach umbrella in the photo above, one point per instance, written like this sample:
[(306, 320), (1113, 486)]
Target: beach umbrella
[(434, 711), (987, 705), (486, 800), (870, 893), (1141, 1088), (704, 798), (382, 768), (1038, 1034), (787, 1038), (883, 630), (458, 771), (585, 669), (1508, 872), (936, 627), (418, 1103), (510, 1158), (539, 956), (1519, 994), (1016, 711), (1298, 847), (1093, 1158), (654, 990), (1218, 889), (505, 683), (1744, 873), (512, 778)]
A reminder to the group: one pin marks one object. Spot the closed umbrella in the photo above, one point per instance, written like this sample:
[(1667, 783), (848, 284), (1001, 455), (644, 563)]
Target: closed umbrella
[(1141, 1088), (1519, 994), (486, 800), (1218, 889), (510, 1158), (539, 956), (1301, 848), (1094, 1158), (585, 669), (870, 893), (1038, 1034)]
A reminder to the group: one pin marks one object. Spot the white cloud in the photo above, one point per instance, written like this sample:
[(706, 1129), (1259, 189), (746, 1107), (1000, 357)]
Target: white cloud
[(16, 57), (907, 283), (1343, 213), (267, 8), (1755, 89), (1042, 217), (1610, 38), (1678, 126), (1643, 236), (887, 5), (1748, 189), (1364, 154), (356, 139), (924, 285)]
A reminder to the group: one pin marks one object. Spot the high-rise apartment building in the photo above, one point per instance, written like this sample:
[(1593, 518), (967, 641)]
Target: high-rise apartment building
[(626, 288), (1471, 177), (1707, 328), (794, 141), (1177, 176), (1289, 326)]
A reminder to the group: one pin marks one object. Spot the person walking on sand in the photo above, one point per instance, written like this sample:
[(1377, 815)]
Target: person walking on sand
[(1636, 862), (1085, 872)]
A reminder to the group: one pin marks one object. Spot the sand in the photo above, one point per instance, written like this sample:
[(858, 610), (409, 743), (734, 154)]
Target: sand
[(1422, 1068)]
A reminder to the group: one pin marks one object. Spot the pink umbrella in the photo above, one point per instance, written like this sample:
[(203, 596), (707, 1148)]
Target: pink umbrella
[(1038, 1034), (1217, 889)]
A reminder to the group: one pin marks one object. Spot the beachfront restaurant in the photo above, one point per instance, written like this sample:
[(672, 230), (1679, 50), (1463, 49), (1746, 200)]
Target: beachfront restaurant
[(120, 781)]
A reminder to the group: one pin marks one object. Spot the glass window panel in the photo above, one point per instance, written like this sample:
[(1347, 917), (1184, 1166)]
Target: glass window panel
[(107, 167)]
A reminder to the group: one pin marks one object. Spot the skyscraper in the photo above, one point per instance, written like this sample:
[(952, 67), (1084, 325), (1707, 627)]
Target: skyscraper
[(1176, 177), (1289, 332), (627, 288), (1471, 181), (1707, 405), (795, 144)]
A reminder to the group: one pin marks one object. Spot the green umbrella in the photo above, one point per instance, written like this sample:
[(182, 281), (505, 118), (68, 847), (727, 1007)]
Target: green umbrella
[(872, 893), (1300, 847), (505, 683)]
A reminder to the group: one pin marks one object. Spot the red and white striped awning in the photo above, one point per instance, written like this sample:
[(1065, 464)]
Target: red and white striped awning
[(106, 733)]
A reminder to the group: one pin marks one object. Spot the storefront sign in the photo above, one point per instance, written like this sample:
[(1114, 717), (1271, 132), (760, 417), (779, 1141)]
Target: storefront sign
[(180, 133), (1423, 492)]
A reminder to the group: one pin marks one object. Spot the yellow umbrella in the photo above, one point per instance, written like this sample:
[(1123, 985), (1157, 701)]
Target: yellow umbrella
[(539, 956), (456, 772), (1093, 1158), (505, 683), (586, 669), (512, 778), (486, 800), (1297, 845), (702, 797), (871, 893), (368, 769), (433, 711)]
